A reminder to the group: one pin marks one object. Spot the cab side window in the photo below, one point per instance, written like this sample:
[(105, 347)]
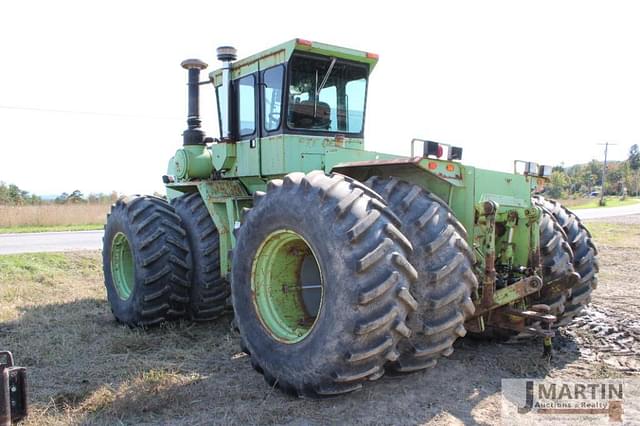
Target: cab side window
[(246, 101), (272, 108)]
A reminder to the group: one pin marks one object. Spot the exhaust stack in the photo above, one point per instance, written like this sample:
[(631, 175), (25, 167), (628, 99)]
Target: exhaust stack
[(226, 54), (194, 134)]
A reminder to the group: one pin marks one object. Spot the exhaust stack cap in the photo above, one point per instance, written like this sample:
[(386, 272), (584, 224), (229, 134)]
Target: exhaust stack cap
[(188, 64), (226, 53)]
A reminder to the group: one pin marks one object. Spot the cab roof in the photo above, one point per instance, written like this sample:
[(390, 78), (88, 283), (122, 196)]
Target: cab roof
[(282, 53)]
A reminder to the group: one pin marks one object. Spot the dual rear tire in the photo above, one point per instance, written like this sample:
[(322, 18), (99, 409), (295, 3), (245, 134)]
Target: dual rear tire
[(376, 311), (583, 257), (446, 281)]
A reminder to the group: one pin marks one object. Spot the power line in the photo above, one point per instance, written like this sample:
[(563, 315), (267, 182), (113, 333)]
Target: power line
[(604, 170), (106, 114)]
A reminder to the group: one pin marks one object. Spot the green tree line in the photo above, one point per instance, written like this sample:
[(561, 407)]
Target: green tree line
[(622, 177), (12, 195), (77, 197)]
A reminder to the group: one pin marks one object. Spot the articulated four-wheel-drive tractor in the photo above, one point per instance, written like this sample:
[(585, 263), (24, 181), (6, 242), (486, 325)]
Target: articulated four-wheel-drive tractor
[(340, 263)]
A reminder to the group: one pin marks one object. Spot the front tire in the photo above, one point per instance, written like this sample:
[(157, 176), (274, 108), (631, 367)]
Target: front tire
[(331, 347), (146, 261)]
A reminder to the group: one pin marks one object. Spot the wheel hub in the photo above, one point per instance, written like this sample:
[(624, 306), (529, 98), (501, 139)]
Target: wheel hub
[(287, 286), (122, 266)]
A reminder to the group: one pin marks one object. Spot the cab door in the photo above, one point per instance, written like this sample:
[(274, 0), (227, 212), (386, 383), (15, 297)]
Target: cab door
[(247, 125), (271, 105)]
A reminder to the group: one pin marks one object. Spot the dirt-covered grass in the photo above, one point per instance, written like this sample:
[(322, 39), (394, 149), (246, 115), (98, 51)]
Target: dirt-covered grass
[(614, 233), (84, 368), (618, 242)]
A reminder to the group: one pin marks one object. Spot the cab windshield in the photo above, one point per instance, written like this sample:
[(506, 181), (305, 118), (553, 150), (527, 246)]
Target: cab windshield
[(326, 95)]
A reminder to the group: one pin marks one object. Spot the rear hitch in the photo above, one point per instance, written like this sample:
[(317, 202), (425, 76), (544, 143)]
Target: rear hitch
[(541, 325), (535, 321), (547, 344), (13, 390)]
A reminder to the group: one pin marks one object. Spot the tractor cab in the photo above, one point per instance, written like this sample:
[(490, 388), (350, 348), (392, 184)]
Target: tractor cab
[(299, 87), (297, 106)]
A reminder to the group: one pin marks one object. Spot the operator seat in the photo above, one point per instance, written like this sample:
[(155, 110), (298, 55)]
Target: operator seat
[(301, 115)]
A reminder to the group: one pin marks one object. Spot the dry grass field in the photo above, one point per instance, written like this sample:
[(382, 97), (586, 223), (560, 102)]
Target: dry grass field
[(52, 215), (84, 368)]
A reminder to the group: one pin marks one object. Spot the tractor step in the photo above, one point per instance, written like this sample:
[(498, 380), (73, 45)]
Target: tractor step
[(13, 390)]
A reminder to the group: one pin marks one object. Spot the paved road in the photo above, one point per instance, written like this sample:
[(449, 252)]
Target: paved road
[(50, 241), (92, 240), (599, 213)]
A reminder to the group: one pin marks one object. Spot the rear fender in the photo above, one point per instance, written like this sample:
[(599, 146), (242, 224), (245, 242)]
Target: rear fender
[(436, 176)]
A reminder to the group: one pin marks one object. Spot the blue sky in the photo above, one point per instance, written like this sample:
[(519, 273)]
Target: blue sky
[(544, 81)]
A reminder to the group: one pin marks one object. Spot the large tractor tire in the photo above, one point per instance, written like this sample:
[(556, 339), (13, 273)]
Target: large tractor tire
[(584, 257), (556, 258), (320, 284), (446, 281), (209, 290), (146, 261)]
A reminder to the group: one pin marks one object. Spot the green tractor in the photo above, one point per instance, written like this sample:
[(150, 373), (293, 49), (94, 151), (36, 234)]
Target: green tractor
[(340, 264)]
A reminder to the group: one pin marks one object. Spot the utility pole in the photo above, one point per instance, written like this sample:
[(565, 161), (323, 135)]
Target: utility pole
[(604, 171)]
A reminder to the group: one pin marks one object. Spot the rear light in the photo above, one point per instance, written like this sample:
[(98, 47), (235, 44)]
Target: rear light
[(303, 42), (433, 148), (529, 168), (450, 167), (372, 55), (437, 149), (432, 165)]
